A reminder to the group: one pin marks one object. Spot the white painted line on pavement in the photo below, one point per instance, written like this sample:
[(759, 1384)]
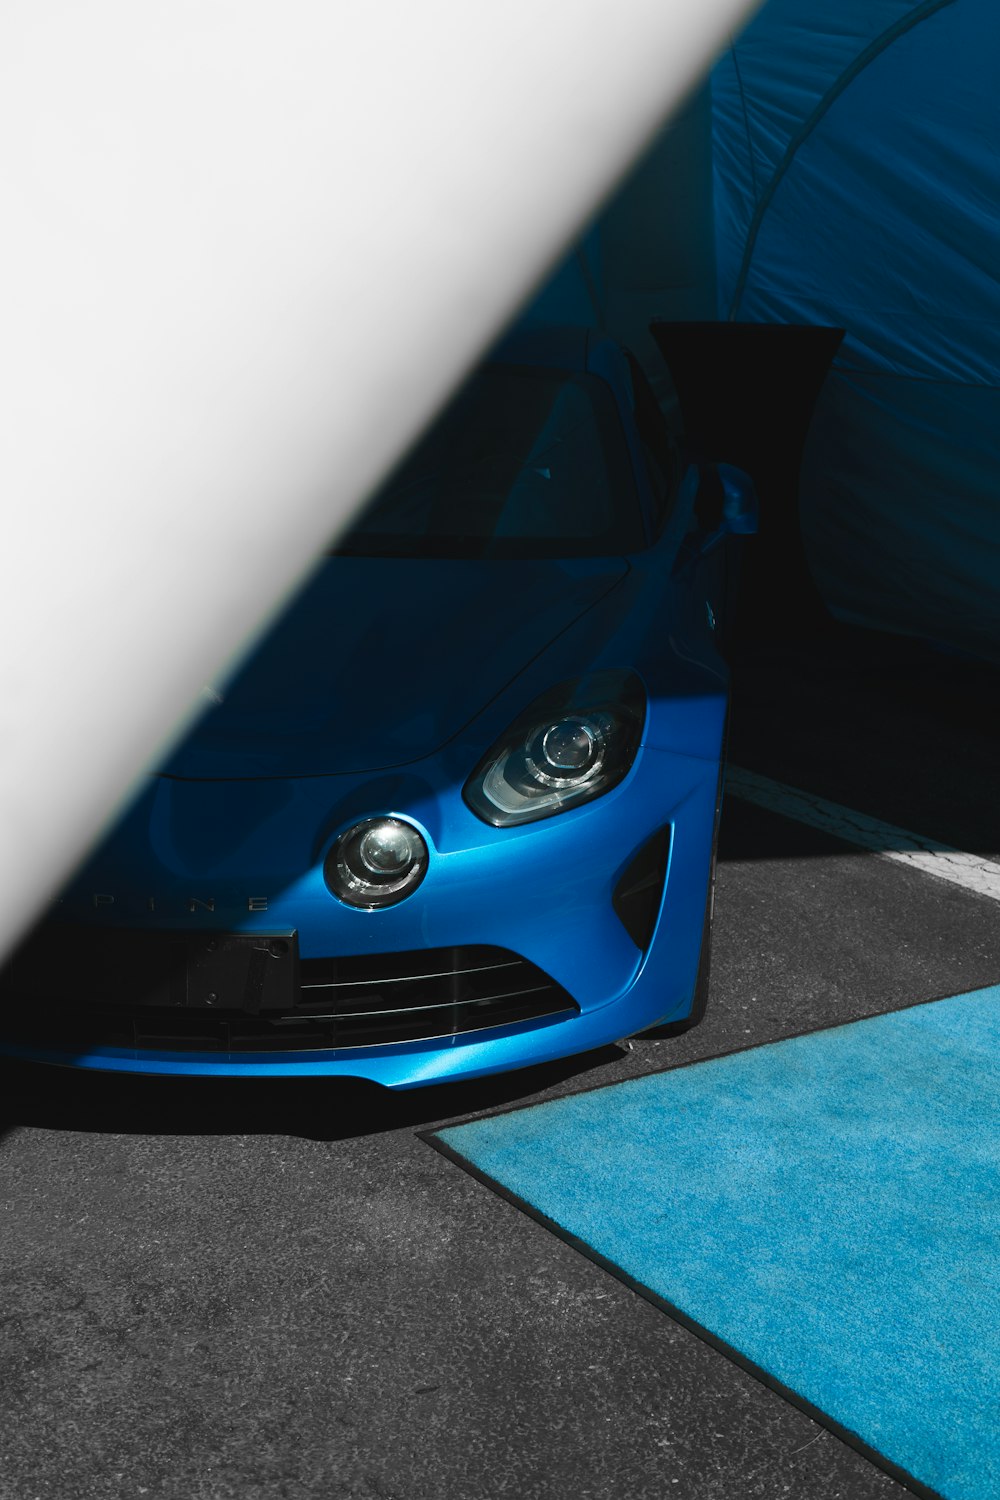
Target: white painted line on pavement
[(971, 871)]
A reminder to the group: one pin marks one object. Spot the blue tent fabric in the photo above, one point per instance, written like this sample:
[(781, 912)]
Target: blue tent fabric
[(857, 175), (651, 250)]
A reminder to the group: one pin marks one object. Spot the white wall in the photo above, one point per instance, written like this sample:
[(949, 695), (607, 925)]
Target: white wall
[(249, 247)]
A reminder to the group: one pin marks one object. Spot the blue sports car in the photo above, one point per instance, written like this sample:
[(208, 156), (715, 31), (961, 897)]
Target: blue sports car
[(458, 812)]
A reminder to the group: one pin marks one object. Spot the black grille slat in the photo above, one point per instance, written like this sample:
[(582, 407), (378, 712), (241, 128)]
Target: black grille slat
[(368, 1000), (336, 984), (404, 1010)]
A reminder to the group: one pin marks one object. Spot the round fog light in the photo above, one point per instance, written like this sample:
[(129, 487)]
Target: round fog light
[(376, 863)]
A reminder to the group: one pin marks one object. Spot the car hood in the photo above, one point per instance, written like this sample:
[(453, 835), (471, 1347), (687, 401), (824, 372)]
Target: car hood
[(380, 661)]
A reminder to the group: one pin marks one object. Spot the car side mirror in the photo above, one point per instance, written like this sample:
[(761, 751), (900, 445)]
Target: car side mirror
[(740, 509)]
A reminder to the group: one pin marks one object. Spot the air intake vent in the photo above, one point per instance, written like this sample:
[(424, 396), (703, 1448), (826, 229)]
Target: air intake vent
[(343, 1002), (639, 891)]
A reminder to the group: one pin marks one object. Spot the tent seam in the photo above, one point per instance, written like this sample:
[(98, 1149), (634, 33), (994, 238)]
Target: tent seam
[(583, 265), (746, 119), (968, 385), (868, 55)]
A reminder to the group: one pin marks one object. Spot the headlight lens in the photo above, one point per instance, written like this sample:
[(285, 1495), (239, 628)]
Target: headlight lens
[(376, 863), (571, 745)]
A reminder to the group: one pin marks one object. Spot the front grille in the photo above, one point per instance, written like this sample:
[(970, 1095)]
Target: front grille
[(341, 1002)]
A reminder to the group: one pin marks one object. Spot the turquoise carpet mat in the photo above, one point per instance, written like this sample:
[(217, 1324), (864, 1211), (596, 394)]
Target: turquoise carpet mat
[(826, 1208)]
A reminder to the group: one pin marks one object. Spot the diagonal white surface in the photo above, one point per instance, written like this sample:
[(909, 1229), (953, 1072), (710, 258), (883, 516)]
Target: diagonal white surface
[(974, 872), (249, 247)]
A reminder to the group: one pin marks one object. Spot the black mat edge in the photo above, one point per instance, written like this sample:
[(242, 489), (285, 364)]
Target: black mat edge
[(759, 1373), (432, 1138), (696, 1062)]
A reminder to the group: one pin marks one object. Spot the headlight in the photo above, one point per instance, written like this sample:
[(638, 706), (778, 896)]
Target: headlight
[(376, 863), (572, 744)]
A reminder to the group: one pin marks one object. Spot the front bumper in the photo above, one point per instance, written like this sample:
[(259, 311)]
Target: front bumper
[(247, 857)]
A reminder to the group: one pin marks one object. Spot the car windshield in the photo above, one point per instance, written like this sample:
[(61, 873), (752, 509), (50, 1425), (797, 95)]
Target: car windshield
[(525, 462)]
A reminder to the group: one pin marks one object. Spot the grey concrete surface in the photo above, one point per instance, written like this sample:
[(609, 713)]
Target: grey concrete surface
[(216, 1290)]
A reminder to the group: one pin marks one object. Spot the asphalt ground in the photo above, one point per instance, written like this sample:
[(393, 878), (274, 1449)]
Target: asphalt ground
[(236, 1289)]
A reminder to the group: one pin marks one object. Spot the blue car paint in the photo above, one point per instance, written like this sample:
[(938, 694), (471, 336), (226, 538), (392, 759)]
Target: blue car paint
[(432, 660), (283, 715)]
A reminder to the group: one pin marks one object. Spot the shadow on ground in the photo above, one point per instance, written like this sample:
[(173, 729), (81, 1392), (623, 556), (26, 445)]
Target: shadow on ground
[(320, 1109), (898, 729)]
